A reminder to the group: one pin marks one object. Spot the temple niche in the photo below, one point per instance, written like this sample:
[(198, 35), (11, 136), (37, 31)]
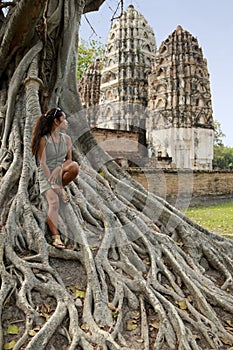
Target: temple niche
[(159, 98)]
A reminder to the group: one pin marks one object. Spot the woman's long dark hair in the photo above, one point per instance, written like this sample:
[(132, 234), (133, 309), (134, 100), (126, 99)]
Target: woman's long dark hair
[(43, 126)]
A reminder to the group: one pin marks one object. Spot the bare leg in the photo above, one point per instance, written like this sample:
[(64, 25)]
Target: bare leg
[(53, 203), (69, 172)]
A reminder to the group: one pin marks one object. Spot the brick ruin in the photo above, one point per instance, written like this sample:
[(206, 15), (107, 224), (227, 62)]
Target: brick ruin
[(157, 98)]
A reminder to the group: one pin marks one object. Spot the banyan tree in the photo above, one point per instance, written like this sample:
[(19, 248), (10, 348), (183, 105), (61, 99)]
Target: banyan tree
[(137, 273)]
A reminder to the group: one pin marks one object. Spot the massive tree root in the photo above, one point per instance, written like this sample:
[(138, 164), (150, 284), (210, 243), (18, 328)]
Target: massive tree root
[(138, 274), (171, 288)]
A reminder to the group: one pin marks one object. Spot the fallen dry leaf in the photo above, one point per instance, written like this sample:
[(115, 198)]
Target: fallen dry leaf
[(34, 331), (111, 306), (140, 340), (9, 346), (85, 327), (79, 294), (182, 304), (154, 324), (131, 325), (12, 329)]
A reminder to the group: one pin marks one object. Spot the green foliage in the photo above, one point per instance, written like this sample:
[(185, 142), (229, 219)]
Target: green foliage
[(223, 157), (218, 134), (216, 218), (88, 52)]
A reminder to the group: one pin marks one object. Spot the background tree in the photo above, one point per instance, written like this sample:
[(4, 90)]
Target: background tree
[(218, 134), (140, 275), (88, 52), (223, 156)]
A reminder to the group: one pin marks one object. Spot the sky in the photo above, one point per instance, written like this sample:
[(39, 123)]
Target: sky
[(211, 22)]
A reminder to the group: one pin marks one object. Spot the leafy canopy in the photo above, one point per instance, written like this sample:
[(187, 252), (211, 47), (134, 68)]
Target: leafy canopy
[(223, 156), (218, 134), (88, 52)]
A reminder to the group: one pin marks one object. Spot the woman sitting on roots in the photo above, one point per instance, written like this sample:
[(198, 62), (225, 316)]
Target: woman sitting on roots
[(53, 152)]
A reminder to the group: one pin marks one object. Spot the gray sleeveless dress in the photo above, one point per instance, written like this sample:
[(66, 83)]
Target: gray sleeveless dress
[(55, 155)]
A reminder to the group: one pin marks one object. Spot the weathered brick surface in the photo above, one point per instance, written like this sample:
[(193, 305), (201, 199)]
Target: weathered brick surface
[(187, 187), (122, 141), (164, 91)]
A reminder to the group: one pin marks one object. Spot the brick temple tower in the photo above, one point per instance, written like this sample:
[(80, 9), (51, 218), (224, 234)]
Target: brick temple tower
[(120, 123), (180, 126), (160, 100), (129, 51)]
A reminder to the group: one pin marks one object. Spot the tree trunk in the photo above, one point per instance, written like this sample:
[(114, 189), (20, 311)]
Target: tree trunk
[(138, 274)]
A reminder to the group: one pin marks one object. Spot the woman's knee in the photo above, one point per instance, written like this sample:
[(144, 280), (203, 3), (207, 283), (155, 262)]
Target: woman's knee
[(75, 168), (71, 167), (70, 172)]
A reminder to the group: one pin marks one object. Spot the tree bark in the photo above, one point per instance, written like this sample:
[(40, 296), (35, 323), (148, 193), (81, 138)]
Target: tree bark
[(138, 274)]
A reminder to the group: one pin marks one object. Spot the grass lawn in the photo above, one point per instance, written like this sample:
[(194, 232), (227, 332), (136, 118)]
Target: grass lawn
[(215, 218)]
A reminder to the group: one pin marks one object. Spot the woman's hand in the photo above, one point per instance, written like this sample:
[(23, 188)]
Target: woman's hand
[(56, 176)]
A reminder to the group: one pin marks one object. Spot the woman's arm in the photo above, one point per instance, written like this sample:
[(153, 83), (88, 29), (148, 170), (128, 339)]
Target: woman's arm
[(69, 148), (42, 157)]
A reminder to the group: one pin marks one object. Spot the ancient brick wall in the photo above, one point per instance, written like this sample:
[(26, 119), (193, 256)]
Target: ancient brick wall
[(187, 188), (124, 146), (112, 140)]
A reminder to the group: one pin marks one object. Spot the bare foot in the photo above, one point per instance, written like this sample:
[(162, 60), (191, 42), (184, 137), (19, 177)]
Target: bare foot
[(57, 243)]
